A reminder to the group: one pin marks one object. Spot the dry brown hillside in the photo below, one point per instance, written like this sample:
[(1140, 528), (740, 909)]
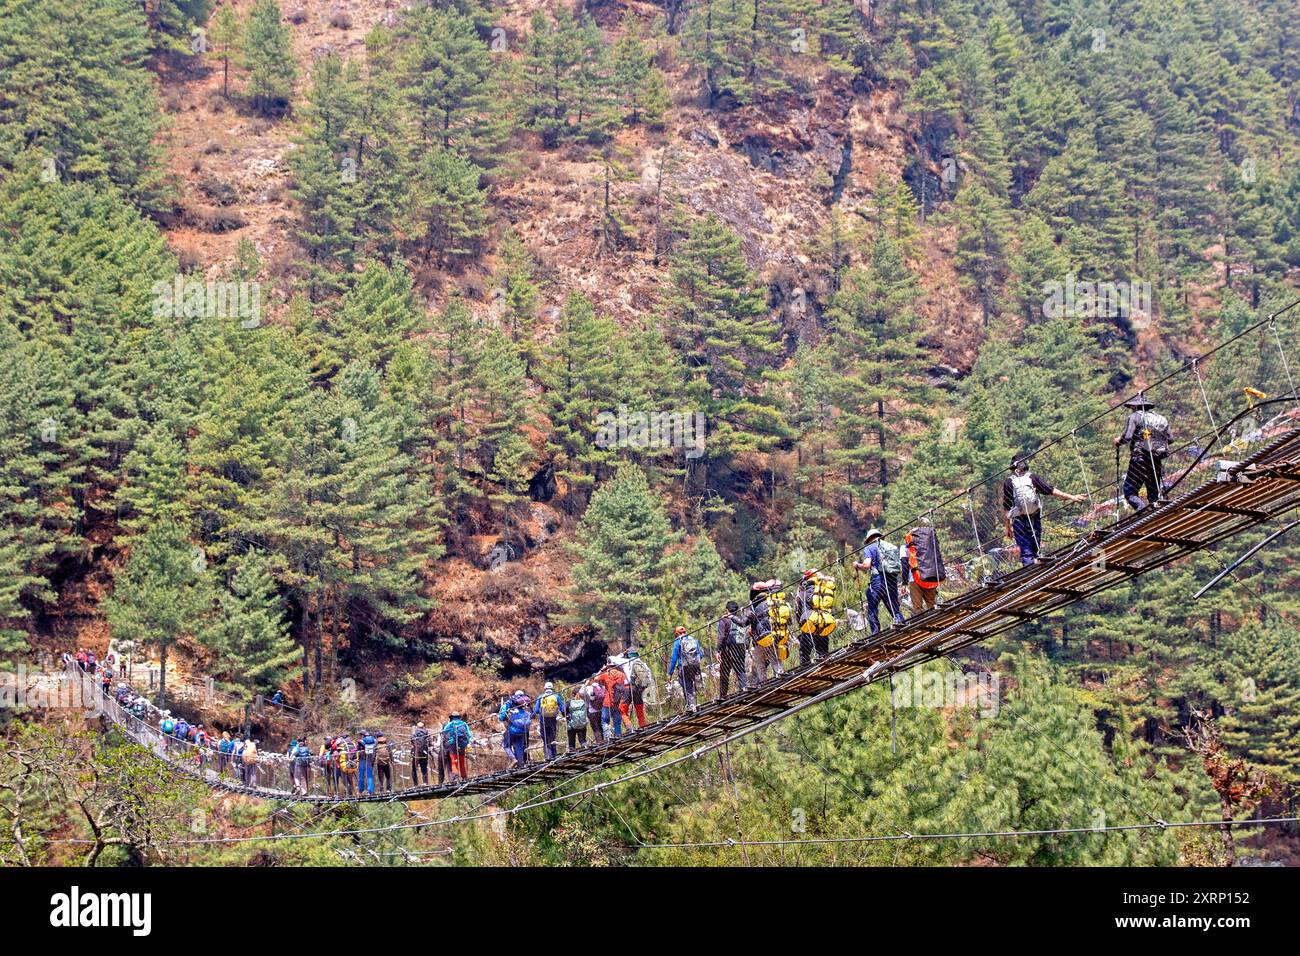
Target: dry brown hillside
[(772, 173)]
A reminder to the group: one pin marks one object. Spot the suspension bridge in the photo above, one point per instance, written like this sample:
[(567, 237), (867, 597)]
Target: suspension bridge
[(1237, 470)]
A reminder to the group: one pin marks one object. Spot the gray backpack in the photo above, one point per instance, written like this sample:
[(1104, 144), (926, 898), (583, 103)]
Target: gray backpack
[(1154, 435), (577, 715)]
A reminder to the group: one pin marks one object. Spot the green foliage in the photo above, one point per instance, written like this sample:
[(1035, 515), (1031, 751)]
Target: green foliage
[(250, 636), (268, 56), (719, 320), (162, 594), (620, 555), (78, 101), (564, 89)]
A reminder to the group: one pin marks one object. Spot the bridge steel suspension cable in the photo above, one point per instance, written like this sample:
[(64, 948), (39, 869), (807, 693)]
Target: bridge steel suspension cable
[(1235, 496)]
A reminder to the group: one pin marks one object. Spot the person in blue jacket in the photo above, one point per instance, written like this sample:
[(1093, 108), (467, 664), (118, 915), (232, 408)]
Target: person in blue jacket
[(517, 717), (455, 745), (882, 584), (366, 763), (687, 655)]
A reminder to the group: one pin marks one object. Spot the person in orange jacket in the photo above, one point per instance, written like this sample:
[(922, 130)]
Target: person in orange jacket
[(617, 693)]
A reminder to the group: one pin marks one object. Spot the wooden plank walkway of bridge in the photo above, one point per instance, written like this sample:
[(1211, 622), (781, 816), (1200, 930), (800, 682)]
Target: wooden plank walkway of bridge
[(1262, 486)]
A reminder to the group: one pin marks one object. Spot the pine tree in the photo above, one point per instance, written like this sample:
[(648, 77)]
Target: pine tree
[(388, 517), (175, 20), (719, 317), (1080, 198), (162, 594), (268, 57), (582, 376), (373, 319), (452, 85), (704, 581), (226, 34), (505, 455), (518, 298), (250, 636), (882, 385), (154, 487), (638, 84), (983, 241), (326, 181), (620, 555), (449, 210), (79, 98), (1264, 712)]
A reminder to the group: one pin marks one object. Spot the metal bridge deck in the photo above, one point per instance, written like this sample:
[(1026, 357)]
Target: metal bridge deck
[(1259, 488)]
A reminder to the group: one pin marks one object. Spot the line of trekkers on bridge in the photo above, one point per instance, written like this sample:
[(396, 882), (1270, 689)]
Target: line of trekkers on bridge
[(753, 645)]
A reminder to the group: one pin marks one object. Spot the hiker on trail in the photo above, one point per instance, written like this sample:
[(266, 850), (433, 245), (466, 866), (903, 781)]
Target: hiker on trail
[(455, 745), (516, 717), (1022, 498), (923, 569), (686, 655), (442, 758), (278, 698), (639, 679), (299, 766), (326, 761), (815, 613), (731, 650), (549, 709), (249, 758), (383, 764), (366, 763), (575, 719), (593, 692), (202, 744), (236, 755), (614, 681), (803, 610), (1148, 437), (346, 758), (758, 618), (420, 755), (883, 565)]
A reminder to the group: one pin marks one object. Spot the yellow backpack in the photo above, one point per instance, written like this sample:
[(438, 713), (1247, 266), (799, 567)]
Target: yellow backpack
[(780, 614), (821, 620)]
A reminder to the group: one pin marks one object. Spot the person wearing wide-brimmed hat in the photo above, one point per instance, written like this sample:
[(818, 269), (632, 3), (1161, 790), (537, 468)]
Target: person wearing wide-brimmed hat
[(883, 564), (1148, 437)]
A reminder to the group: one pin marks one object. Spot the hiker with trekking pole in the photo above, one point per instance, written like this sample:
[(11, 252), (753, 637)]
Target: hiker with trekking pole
[(883, 564), (1148, 437)]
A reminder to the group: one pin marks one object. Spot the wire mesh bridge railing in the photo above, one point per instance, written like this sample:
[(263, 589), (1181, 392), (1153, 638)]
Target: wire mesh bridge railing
[(1235, 464)]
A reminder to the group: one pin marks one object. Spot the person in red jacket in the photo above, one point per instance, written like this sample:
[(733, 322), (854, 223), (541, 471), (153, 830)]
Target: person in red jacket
[(617, 694)]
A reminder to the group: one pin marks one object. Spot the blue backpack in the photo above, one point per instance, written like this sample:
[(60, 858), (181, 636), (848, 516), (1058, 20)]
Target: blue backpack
[(520, 720), (455, 736)]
